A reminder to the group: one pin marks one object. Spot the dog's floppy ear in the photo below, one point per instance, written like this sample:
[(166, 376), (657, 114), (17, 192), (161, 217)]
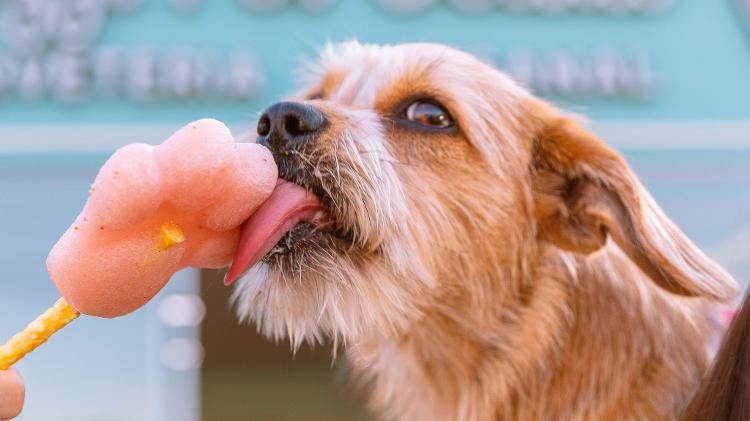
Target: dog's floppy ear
[(585, 192)]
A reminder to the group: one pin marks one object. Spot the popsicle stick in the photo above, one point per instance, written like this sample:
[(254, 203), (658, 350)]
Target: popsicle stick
[(37, 332)]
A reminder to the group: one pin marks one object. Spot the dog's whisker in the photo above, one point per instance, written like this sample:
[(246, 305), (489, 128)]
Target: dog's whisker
[(372, 151), (395, 162)]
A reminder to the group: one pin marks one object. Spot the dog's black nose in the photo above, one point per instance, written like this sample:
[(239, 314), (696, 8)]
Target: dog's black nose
[(289, 122)]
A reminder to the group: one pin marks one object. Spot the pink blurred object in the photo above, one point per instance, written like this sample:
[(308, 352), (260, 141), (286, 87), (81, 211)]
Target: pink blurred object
[(727, 315), (154, 210)]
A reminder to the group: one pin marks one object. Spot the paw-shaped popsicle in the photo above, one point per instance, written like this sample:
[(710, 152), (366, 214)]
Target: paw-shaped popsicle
[(154, 210)]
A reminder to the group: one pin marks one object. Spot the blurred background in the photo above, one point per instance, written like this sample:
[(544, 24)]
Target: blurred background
[(667, 82)]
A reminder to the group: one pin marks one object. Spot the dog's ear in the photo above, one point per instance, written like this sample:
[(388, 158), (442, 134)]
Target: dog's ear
[(585, 192)]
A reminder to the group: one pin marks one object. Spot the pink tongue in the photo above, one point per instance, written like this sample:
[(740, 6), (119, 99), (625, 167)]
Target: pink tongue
[(288, 205)]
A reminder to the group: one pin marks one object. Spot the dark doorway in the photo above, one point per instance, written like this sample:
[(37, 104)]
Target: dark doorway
[(246, 377)]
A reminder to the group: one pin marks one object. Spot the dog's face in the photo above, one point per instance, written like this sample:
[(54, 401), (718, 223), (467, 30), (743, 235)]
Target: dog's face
[(440, 180)]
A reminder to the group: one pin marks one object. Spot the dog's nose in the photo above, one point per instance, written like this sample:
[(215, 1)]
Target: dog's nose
[(289, 122)]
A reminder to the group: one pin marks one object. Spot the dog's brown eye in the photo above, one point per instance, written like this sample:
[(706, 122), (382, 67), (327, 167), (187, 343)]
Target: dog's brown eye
[(429, 114)]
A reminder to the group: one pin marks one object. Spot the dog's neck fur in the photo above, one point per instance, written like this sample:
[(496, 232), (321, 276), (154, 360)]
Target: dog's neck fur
[(575, 361)]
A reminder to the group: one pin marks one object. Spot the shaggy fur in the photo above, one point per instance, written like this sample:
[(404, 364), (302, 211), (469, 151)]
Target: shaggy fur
[(513, 268)]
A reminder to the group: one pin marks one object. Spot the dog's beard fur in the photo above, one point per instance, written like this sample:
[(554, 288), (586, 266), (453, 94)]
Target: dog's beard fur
[(479, 238)]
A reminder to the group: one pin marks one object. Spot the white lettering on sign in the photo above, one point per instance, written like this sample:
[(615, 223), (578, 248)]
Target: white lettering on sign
[(33, 26), (137, 75), (538, 6), (606, 74), (51, 55)]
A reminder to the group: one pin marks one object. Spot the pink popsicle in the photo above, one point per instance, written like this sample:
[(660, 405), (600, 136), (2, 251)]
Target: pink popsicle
[(154, 210)]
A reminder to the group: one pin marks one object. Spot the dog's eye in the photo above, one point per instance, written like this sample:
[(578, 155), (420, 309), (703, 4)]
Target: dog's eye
[(429, 114)]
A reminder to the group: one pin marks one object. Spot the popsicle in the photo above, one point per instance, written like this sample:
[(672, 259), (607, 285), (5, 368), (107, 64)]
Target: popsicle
[(152, 211)]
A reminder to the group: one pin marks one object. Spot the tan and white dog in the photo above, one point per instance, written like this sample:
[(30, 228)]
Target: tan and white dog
[(477, 252)]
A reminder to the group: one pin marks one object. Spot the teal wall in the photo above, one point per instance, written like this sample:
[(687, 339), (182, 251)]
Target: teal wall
[(699, 51)]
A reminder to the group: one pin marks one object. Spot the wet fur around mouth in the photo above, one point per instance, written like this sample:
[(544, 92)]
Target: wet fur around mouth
[(305, 236), (303, 240), (295, 168)]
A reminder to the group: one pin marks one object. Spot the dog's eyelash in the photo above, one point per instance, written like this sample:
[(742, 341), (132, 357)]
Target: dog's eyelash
[(316, 95)]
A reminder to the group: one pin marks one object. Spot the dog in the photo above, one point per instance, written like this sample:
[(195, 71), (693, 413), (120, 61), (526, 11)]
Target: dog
[(476, 252)]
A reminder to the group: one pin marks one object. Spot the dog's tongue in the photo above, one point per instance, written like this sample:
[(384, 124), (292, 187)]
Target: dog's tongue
[(288, 205)]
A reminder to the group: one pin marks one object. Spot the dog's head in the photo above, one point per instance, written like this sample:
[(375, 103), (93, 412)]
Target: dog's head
[(429, 177)]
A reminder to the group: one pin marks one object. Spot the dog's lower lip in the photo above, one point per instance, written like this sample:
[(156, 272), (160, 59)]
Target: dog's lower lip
[(288, 205)]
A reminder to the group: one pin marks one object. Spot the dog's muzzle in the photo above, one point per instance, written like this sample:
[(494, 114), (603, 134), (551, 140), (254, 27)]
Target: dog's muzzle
[(285, 128), (291, 131)]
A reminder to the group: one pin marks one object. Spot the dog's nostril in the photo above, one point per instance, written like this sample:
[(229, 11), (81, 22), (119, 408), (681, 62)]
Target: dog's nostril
[(264, 125), (293, 125)]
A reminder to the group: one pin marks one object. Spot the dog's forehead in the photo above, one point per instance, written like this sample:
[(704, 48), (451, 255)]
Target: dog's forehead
[(380, 77), (355, 74)]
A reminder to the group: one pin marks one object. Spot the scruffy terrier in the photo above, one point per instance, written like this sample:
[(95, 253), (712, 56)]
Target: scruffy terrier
[(477, 252)]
